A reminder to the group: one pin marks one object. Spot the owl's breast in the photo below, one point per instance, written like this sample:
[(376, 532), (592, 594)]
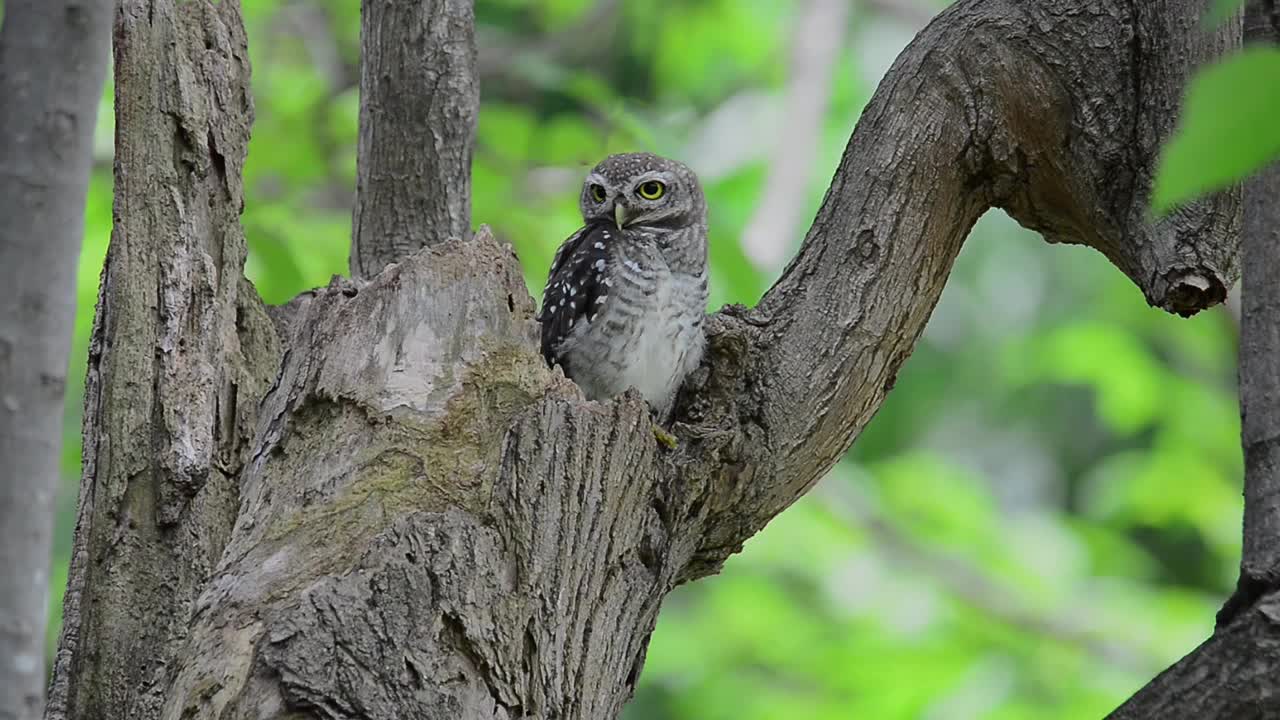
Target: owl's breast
[(647, 333)]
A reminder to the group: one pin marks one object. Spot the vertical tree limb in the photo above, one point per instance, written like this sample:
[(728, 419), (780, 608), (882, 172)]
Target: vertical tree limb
[(1233, 674), (180, 354), (419, 102), (1260, 353), (53, 60)]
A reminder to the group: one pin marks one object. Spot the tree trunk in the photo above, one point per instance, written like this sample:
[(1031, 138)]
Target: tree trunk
[(53, 60), (180, 355), (382, 503), (1233, 674)]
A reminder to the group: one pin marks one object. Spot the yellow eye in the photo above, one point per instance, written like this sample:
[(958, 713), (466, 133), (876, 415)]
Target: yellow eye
[(598, 193), (651, 190)]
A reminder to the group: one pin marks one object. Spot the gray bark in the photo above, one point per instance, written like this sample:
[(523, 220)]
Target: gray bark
[(419, 102), (180, 355), (53, 60), (417, 518), (1260, 351), (1233, 674)]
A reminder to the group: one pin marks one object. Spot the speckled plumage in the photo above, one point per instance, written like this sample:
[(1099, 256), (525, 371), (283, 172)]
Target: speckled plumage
[(625, 301)]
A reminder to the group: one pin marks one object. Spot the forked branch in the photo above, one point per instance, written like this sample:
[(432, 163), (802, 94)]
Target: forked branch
[(419, 519)]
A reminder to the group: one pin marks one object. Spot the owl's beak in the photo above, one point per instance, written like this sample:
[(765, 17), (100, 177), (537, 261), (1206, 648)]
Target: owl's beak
[(620, 215)]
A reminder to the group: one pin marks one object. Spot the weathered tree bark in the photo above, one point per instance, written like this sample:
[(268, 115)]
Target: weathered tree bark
[(180, 356), (417, 518), (1260, 353), (1233, 674), (53, 61), (419, 102)]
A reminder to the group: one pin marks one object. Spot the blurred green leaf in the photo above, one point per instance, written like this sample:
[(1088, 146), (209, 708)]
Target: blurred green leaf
[(1228, 130), (1123, 373)]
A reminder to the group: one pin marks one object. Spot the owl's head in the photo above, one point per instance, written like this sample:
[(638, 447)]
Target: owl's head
[(643, 190)]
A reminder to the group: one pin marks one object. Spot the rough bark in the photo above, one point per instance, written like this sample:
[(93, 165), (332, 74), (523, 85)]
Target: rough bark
[(419, 519), (419, 102), (1233, 674), (1053, 111), (1260, 351), (53, 60), (180, 354)]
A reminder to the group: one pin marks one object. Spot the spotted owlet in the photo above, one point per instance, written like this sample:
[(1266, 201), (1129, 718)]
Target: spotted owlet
[(627, 293)]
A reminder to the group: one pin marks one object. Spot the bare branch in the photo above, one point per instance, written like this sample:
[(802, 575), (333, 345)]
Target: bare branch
[(419, 101), (913, 12), (816, 41), (1260, 352), (1231, 675)]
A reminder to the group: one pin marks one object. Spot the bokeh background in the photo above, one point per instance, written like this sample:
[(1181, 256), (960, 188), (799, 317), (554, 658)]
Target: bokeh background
[(1045, 513)]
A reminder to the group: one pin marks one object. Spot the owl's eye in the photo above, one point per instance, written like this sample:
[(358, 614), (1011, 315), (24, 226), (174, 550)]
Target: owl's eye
[(651, 190), (598, 193)]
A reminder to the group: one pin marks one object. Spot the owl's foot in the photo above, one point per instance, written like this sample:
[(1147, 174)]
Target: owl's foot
[(664, 438)]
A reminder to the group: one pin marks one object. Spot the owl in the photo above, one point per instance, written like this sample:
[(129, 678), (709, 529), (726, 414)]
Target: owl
[(627, 293)]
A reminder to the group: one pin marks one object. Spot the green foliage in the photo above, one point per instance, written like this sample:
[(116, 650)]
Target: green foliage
[(1230, 127), (1046, 511), (1221, 10)]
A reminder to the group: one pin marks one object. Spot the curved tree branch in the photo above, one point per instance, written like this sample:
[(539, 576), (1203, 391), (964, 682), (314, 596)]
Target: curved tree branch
[(1050, 112), (419, 101)]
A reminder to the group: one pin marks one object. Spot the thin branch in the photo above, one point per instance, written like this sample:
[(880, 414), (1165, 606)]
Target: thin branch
[(912, 12), (1232, 675), (816, 41), (501, 57), (1260, 351)]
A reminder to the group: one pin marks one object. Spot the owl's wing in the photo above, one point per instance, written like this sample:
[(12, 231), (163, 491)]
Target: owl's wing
[(577, 280)]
